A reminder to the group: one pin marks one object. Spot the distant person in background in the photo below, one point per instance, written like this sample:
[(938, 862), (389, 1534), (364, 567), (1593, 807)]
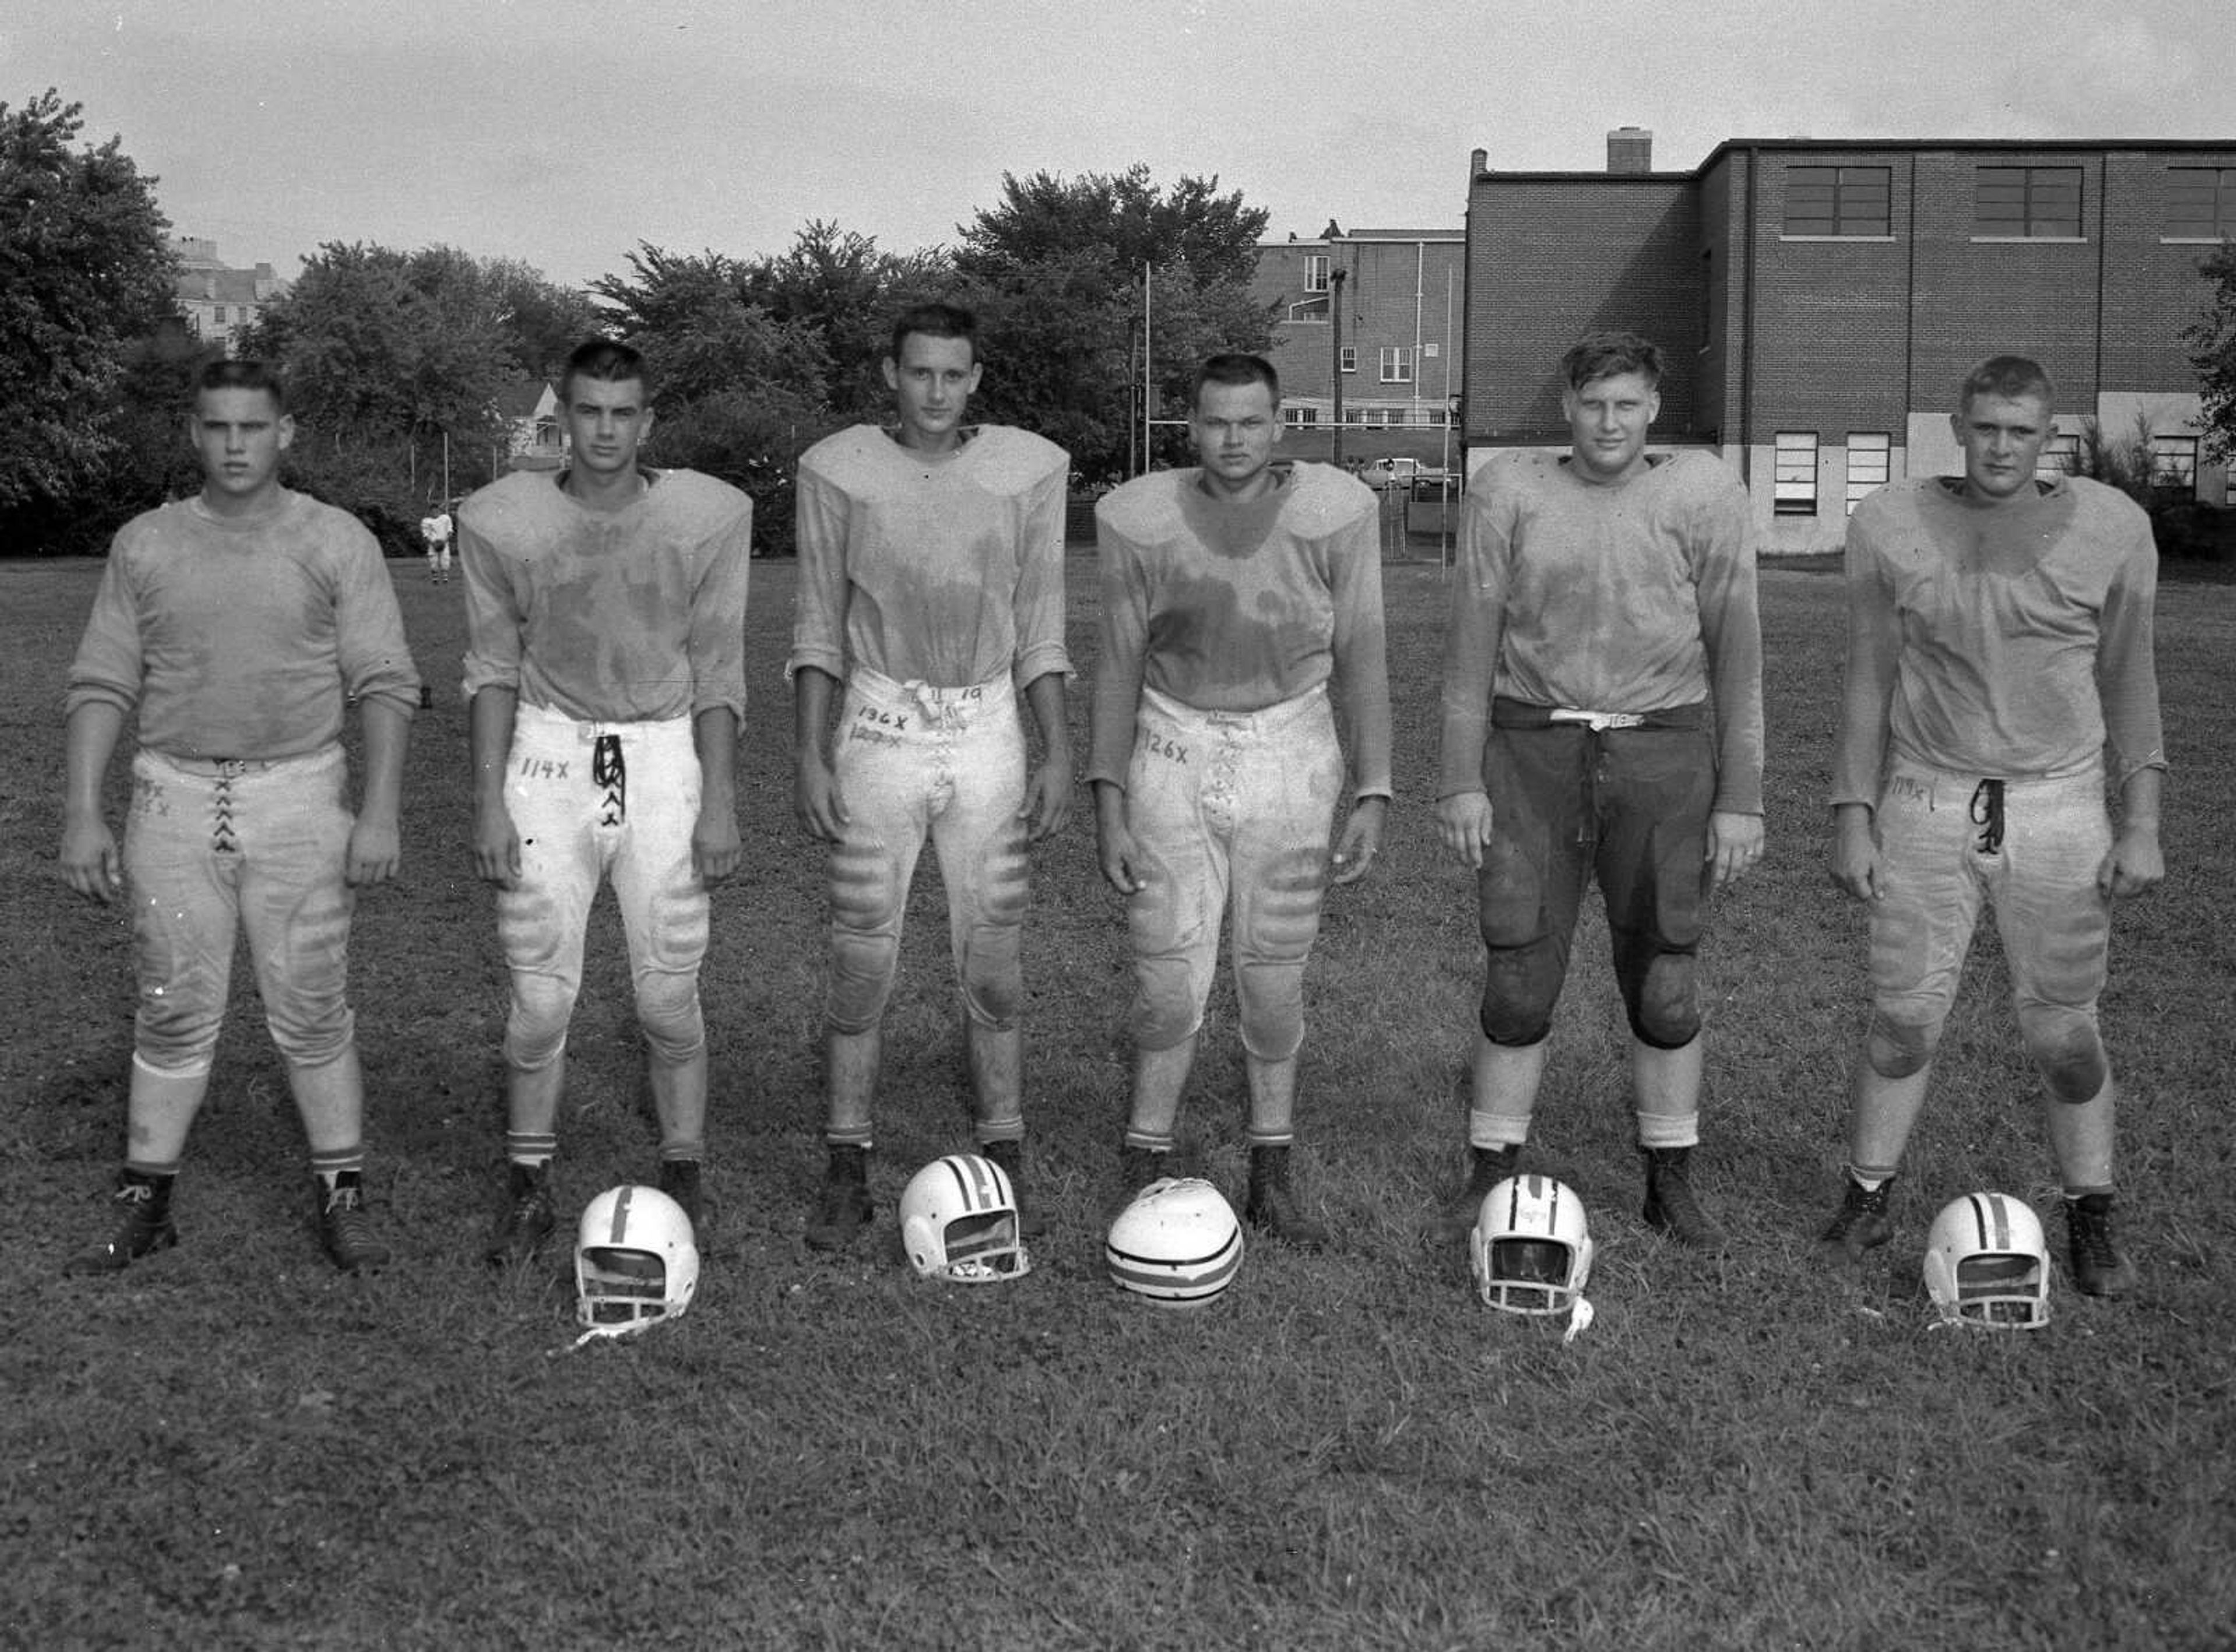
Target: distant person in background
[(238, 625), (605, 668), (436, 530), (2000, 674), (1602, 722), (930, 601), (1236, 595)]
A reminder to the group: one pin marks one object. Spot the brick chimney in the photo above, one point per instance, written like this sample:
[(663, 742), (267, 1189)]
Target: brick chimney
[(1630, 148)]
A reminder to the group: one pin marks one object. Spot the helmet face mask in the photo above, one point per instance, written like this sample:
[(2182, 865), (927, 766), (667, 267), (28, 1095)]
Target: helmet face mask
[(1987, 1265), (959, 1222), (636, 1261), (1531, 1251), (1177, 1244)]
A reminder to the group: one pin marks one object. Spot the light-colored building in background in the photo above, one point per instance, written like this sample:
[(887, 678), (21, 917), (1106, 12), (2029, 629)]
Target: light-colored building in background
[(216, 300)]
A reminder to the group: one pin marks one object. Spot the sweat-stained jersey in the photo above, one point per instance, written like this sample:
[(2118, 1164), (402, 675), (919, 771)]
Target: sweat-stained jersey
[(1236, 607), (243, 638), (2011, 640), (1636, 595), (941, 569), (631, 615)]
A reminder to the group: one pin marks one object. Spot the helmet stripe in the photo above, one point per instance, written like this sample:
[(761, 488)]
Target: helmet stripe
[(620, 1215)]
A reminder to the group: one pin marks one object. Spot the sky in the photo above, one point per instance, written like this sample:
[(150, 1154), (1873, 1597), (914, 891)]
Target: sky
[(568, 133)]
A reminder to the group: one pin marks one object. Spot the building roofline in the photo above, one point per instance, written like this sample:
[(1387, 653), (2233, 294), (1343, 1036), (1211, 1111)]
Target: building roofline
[(1732, 146)]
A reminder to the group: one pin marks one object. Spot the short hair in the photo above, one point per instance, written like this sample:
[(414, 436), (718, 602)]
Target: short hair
[(1602, 355), (1235, 367), (608, 360), (936, 321), (2009, 377), (244, 373)]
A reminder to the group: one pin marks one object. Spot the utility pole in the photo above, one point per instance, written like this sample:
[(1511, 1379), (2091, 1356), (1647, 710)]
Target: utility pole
[(1335, 361)]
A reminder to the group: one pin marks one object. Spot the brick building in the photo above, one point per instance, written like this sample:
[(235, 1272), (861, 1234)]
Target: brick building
[(218, 301), (1399, 373), (1820, 300)]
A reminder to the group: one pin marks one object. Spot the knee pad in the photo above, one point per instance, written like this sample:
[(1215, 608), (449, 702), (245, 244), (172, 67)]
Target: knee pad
[(535, 1032), (861, 968), (1665, 1004), (173, 1036), (2067, 1050), (1520, 984), (668, 1012), (1898, 1049), (1165, 1014), (1271, 1002), (314, 1040), (992, 973)]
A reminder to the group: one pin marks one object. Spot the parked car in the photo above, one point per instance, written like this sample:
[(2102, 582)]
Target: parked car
[(1400, 472)]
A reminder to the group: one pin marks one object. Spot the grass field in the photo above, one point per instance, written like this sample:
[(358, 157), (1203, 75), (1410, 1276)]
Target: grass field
[(231, 1446)]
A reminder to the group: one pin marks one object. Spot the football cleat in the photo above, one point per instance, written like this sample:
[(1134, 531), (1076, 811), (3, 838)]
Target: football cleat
[(843, 1205), (143, 1226), (1671, 1207), (1272, 1205), (1861, 1223), (636, 1261), (1177, 1243), (959, 1222), (2098, 1267), (1986, 1264), (528, 1217), (345, 1227)]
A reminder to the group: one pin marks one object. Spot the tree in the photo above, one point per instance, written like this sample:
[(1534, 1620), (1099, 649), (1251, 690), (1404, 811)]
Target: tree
[(841, 285), (1056, 271), (2214, 336), (84, 272)]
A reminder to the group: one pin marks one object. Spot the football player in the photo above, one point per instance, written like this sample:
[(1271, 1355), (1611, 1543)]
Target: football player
[(1234, 594), (239, 625), (2000, 674), (605, 665), (930, 602), (1603, 721)]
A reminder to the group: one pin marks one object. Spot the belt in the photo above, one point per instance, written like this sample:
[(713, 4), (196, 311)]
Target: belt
[(1598, 722)]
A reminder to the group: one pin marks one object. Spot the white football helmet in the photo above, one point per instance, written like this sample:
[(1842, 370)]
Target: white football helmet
[(1986, 1263), (1178, 1243), (1530, 1251), (636, 1261), (959, 1222)]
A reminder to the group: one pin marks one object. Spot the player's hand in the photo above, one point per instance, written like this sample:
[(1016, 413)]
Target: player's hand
[(1048, 797), (1734, 846), (1463, 826), (1853, 860), (716, 848), (2134, 863), (497, 846), (375, 851), (1114, 841), (90, 860), (1361, 840), (815, 800)]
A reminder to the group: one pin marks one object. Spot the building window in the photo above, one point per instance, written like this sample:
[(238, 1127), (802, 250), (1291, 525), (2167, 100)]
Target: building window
[(1309, 310), (2029, 203), (1316, 272), (1347, 358), (217, 314), (2200, 203), (1838, 201), (1793, 476), (1871, 462), (2060, 456), (2173, 463), (1397, 365), (1298, 418)]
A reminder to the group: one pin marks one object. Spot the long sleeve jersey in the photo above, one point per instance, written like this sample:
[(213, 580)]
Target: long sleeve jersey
[(1236, 607), (244, 638), (940, 569), (1636, 595), (631, 615), (2012, 640)]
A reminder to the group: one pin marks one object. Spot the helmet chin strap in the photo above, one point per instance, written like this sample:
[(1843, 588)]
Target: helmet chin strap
[(1580, 1321)]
